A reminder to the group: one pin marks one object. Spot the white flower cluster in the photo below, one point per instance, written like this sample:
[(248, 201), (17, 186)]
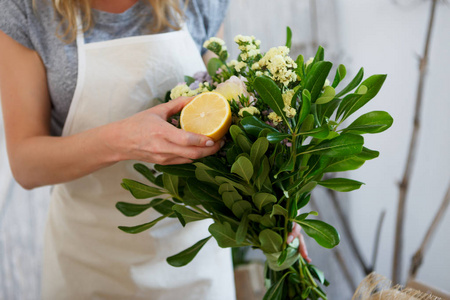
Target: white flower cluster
[(237, 65), (220, 50), (251, 110), (287, 98), (249, 47), (183, 90), (276, 119), (280, 65)]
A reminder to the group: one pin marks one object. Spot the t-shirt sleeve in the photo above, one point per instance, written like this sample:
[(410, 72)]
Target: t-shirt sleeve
[(14, 20), (204, 18)]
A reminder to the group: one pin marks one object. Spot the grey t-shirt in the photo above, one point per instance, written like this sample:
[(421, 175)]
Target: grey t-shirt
[(36, 29)]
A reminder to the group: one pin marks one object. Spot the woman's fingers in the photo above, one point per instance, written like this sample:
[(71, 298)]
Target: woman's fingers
[(185, 138), (295, 233), (172, 107)]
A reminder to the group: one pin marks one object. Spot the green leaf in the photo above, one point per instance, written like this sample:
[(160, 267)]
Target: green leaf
[(303, 216), (316, 77), (184, 170), (224, 235), (324, 234), (259, 148), (142, 227), (241, 207), (253, 126), (307, 187), (206, 195), (327, 96), (140, 190), (305, 109), (244, 143), (268, 221), (243, 167), (373, 84), (163, 207), (368, 154), (271, 242), (320, 55), (279, 210), (303, 201), (145, 171), (346, 163), (229, 198), (343, 145), (300, 70), (340, 74), (372, 122), (188, 214), (288, 37), (341, 184), (271, 95), (131, 209), (262, 199), (213, 65), (346, 103), (275, 292), (205, 175), (308, 124), (276, 137), (226, 187), (186, 256), (263, 173), (246, 190), (171, 183), (353, 84), (241, 232), (189, 80), (317, 273)]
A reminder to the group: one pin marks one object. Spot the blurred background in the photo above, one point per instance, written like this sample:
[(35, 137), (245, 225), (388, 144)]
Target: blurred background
[(384, 37)]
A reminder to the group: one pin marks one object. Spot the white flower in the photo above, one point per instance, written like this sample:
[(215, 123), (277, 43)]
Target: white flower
[(181, 90), (243, 39), (251, 110), (232, 63), (244, 56), (240, 65), (257, 42), (259, 73), (274, 118), (256, 66), (309, 61), (290, 112), (232, 89), (213, 39), (287, 97)]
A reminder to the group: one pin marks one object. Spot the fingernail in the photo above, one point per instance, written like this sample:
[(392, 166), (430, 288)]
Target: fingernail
[(290, 239), (209, 143), (222, 143)]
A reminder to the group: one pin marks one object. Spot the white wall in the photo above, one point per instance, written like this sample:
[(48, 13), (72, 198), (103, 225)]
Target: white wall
[(387, 38)]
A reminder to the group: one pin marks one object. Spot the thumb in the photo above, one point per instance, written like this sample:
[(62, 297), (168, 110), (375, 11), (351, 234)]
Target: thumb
[(172, 107)]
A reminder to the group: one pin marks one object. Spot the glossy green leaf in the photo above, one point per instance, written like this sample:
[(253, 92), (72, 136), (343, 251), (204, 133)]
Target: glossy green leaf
[(131, 209), (276, 137), (229, 198), (346, 163), (275, 292), (368, 154), (327, 96), (186, 256), (244, 143), (288, 37), (340, 74), (142, 227), (341, 184), (352, 84), (343, 145), (206, 195), (164, 207), (271, 242), (324, 234), (279, 210), (253, 126), (204, 174), (259, 148), (263, 173), (171, 183), (184, 170), (189, 80), (346, 103), (240, 207), (226, 187), (372, 122), (224, 235), (271, 95), (145, 171), (268, 221), (262, 199), (245, 189), (306, 107), (188, 214), (307, 187), (316, 77), (140, 190), (241, 232), (243, 167), (373, 84), (303, 216)]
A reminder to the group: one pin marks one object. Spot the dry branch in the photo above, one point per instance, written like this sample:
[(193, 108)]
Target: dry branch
[(403, 186)]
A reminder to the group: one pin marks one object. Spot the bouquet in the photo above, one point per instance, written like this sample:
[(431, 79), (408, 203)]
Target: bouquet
[(287, 133)]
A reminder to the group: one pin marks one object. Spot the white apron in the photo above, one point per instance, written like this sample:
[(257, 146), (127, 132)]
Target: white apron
[(85, 255)]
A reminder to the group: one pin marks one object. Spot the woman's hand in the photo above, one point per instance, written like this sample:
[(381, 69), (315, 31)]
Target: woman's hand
[(147, 136), (295, 233)]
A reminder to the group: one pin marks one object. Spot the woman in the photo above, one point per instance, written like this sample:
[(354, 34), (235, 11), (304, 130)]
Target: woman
[(79, 111)]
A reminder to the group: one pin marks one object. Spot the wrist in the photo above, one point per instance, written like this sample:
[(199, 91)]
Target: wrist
[(112, 141)]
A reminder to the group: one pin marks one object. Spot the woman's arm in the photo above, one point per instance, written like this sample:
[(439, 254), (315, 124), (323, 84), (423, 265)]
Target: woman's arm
[(38, 159)]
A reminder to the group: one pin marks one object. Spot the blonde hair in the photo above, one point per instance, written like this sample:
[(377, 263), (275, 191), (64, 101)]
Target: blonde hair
[(164, 11)]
